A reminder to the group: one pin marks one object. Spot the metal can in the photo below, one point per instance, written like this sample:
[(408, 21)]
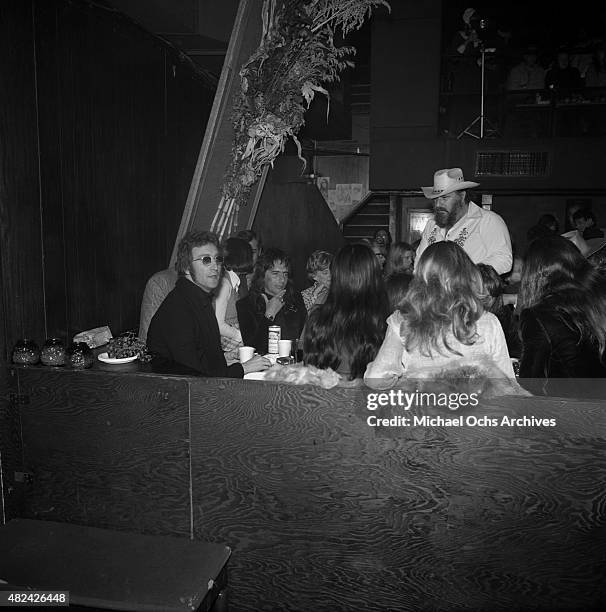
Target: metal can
[(275, 334)]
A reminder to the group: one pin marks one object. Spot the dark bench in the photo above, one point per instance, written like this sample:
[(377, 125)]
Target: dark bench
[(113, 570)]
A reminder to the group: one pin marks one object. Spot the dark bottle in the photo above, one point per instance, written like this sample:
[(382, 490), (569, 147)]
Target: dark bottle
[(53, 352), (26, 352)]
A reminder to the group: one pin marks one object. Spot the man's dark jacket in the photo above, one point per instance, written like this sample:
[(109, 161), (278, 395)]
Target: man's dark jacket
[(184, 335)]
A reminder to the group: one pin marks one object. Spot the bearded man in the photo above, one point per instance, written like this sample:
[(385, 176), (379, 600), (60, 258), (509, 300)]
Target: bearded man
[(183, 335), (482, 234)]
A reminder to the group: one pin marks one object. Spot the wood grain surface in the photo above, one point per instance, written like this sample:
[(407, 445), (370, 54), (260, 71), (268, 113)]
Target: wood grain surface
[(11, 456), (322, 511), (107, 450), (327, 513)]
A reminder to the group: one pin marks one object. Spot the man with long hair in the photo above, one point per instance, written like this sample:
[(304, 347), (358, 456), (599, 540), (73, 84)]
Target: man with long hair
[(272, 300), (184, 335)]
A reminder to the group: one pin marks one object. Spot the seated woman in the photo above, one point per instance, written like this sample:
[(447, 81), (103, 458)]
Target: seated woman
[(272, 300), (346, 332), (441, 323), (237, 262), (562, 318), (318, 270)]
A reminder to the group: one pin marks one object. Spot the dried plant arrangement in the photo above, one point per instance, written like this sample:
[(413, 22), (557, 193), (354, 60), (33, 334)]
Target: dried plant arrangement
[(297, 58)]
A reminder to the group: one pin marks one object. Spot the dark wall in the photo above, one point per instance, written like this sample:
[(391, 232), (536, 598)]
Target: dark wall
[(405, 146), (294, 216), (102, 125)]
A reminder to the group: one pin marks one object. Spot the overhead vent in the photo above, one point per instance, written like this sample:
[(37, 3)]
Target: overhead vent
[(512, 163)]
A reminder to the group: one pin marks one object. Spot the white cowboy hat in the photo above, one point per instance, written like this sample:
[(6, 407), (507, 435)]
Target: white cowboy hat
[(446, 181)]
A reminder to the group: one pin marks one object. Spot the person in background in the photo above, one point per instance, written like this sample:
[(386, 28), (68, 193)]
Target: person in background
[(562, 79), (493, 302), (346, 331), (255, 244), (184, 335), (398, 272), (380, 252), (585, 222), (157, 288), (481, 233), (547, 225), (528, 74), (441, 323), (562, 319), (271, 300), (383, 238), (596, 71), (318, 270), (237, 262), (400, 258)]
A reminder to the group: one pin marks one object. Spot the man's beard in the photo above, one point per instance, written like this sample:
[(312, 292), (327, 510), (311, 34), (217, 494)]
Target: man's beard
[(443, 218)]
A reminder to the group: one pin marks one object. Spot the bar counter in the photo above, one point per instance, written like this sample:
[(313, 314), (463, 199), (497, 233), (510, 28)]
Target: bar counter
[(322, 511)]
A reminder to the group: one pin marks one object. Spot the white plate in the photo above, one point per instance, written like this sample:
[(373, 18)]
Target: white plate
[(105, 358)]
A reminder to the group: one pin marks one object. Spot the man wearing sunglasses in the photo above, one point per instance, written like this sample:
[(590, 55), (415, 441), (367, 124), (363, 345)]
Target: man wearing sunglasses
[(183, 335)]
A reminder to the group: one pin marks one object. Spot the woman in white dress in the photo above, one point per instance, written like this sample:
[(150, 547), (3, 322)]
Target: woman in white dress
[(441, 323)]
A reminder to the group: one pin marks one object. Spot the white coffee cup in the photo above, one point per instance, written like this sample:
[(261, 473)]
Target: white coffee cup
[(284, 348), (245, 353)]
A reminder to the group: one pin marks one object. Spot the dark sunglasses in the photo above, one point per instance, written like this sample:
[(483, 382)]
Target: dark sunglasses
[(207, 259)]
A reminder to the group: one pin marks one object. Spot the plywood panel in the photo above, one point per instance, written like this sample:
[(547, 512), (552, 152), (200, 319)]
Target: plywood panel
[(106, 450), (326, 512)]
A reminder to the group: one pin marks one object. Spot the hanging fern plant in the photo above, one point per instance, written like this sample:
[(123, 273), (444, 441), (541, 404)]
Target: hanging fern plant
[(296, 58)]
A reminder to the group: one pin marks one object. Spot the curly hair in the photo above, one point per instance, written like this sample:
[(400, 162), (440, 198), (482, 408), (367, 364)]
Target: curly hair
[(352, 321), (445, 297), (318, 260), (266, 261), (194, 238)]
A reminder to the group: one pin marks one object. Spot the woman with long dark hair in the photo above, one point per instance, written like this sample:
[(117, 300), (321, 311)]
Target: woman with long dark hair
[(346, 331), (441, 322), (562, 316)]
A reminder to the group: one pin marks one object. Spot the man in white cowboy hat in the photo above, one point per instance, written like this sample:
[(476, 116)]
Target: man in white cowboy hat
[(482, 233)]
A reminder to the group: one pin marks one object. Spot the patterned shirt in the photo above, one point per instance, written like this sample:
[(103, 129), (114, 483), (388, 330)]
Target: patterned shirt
[(481, 233)]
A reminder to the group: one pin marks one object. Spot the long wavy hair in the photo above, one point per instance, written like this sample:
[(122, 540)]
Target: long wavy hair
[(266, 261), (445, 297), (352, 321), (557, 276), (395, 258)]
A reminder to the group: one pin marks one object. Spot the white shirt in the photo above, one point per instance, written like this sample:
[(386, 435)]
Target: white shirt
[(482, 233), (393, 360)]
